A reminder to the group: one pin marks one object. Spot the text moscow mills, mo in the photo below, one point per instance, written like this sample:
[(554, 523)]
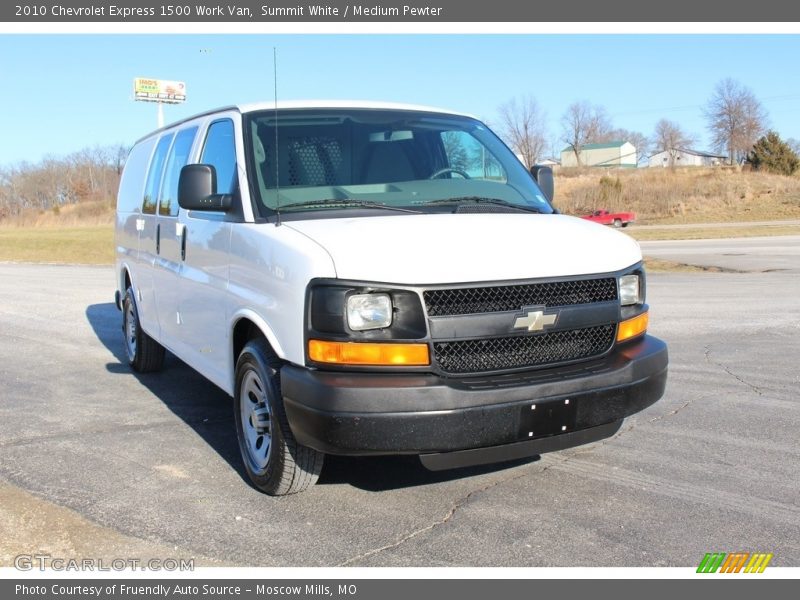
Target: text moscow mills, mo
[(185, 590)]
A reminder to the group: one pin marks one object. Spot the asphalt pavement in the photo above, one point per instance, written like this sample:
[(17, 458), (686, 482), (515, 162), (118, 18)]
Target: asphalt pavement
[(713, 466), (762, 254)]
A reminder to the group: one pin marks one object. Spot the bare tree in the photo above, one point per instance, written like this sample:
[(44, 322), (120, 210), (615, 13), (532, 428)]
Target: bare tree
[(119, 155), (89, 174), (584, 124), (639, 140), (522, 125), (736, 119), (670, 138), (794, 145)]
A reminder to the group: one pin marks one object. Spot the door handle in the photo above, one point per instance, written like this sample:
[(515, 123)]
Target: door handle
[(183, 243), (158, 238)]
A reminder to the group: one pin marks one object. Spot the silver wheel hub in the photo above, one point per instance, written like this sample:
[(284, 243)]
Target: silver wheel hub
[(256, 418), (130, 331)]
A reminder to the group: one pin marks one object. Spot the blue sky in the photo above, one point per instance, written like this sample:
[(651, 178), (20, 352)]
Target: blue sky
[(65, 92)]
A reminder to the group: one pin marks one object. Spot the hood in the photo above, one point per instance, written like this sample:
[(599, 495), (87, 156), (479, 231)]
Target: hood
[(462, 248)]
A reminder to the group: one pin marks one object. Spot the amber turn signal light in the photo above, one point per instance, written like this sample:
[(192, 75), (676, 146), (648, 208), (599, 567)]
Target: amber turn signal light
[(366, 353), (632, 327)]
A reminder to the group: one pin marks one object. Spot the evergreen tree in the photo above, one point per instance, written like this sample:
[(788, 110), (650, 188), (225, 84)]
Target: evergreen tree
[(770, 153)]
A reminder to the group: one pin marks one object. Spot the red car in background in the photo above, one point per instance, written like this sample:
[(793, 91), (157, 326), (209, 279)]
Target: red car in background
[(620, 219)]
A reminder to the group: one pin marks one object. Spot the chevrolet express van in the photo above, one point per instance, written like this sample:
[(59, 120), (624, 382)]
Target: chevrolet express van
[(368, 279)]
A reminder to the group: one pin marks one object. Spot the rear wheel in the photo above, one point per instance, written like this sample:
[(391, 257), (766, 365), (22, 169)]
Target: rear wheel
[(144, 353), (274, 461), (617, 223)]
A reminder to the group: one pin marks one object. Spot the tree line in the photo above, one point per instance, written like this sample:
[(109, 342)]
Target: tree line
[(735, 119), (89, 174)]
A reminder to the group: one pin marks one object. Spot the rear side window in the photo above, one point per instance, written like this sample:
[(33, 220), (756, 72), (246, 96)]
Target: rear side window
[(154, 174), (220, 151), (129, 198), (178, 155)]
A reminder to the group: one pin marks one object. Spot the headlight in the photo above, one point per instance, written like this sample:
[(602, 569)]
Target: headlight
[(369, 311), (629, 290)]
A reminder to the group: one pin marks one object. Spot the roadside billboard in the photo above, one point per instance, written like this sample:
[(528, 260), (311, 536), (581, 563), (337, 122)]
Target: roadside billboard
[(159, 90)]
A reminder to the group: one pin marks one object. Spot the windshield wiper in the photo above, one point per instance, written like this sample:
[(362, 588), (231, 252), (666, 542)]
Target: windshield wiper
[(346, 203), (482, 200)]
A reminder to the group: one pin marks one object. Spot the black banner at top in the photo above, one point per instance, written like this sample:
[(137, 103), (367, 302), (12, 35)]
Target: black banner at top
[(401, 11)]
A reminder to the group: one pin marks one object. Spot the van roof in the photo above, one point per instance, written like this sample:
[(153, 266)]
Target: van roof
[(289, 104), (297, 104)]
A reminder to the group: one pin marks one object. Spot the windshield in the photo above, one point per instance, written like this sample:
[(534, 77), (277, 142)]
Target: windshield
[(330, 160)]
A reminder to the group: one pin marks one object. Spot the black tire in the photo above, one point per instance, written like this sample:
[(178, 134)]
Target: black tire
[(625, 224), (617, 223), (275, 462), (145, 355)]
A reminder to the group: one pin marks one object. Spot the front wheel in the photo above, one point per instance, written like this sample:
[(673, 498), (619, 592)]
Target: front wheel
[(617, 223), (274, 461)]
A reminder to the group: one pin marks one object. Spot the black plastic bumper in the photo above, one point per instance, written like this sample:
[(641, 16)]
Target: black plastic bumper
[(473, 420)]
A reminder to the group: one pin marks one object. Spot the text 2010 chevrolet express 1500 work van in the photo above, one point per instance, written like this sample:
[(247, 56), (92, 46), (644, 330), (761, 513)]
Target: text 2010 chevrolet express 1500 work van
[(378, 279)]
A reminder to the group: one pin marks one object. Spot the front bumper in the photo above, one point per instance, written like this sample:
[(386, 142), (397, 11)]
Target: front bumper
[(455, 422)]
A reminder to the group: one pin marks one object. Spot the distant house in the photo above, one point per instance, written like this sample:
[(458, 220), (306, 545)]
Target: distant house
[(545, 162), (685, 157), (608, 154), (548, 162)]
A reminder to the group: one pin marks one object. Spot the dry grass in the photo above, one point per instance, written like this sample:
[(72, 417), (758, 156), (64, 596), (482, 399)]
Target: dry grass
[(657, 265), (93, 245), (708, 233), (80, 214), (82, 233), (686, 195)]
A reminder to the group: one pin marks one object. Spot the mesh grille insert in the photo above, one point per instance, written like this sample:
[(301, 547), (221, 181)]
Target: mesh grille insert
[(464, 301), (314, 161), (512, 352)]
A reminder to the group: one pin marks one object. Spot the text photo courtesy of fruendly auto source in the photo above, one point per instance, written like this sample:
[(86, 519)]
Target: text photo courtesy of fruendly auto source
[(295, 300)]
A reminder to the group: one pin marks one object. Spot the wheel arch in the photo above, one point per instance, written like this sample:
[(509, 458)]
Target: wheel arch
[(124, 281), (245, 326), (124, 278)]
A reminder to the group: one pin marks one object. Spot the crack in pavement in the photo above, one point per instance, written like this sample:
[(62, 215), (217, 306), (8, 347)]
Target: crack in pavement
[(443, 521), (461, 502), (677, 410), (707, 353)]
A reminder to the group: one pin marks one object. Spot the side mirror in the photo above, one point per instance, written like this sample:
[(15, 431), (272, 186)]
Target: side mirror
[(544, 177), (197, 189)]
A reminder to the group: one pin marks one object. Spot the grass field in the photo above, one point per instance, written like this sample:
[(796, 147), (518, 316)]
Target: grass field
[(657, 265), (672, 196), (707, 233), (82, 233), (93, 245)]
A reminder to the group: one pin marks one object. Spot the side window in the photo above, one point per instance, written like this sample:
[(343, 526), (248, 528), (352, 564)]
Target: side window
[(220, 151), (131, 186), (154, 175), (467, 154), (178, 155)]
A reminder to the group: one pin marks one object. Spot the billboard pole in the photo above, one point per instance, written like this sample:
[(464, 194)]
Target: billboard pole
[(160, 114)]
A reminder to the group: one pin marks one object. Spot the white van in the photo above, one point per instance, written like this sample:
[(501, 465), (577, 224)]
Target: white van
[(370, 279)]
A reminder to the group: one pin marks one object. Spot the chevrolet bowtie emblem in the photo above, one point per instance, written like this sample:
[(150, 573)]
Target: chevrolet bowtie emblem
[(534, 320)]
